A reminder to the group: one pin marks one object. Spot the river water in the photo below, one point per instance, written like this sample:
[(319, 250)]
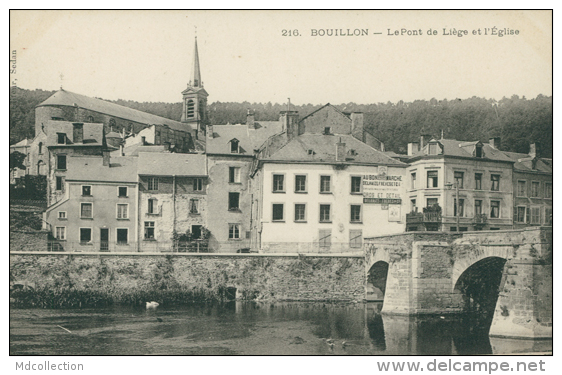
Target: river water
[(251, 328)]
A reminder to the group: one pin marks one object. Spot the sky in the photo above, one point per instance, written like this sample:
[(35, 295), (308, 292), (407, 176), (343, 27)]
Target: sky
[(245, 56)]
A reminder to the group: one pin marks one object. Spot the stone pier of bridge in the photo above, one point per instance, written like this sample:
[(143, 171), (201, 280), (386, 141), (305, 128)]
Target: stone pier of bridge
[(508, 271)]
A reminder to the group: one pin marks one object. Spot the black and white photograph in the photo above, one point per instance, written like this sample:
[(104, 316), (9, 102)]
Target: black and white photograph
[(281, 183)]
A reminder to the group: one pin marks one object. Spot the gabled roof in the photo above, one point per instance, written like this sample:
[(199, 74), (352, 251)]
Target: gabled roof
[(249, 139), (22, 143), (70, 99), (524, 163), (453, 147), (137, 148), (323, 150), (322, 108), (91, 168), (170, 164)]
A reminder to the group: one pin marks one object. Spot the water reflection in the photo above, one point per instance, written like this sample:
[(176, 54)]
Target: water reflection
[(252, 328)]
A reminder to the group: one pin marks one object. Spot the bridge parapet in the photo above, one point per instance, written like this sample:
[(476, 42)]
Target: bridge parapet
[(424, 271)]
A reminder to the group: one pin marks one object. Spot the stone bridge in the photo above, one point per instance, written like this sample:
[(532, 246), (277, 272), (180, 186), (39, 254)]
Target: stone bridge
[(506, 275)]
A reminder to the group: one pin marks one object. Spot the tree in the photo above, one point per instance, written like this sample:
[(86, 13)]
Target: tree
[(16, 160)]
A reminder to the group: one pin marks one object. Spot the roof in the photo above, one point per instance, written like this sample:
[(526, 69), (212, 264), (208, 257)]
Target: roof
[(453, 147), (249, 139), (91, 168), (324, 151), (170, 164), (22, 143), (70, 99), (91, 131), (113, 135), (524, 163), (137, 148)]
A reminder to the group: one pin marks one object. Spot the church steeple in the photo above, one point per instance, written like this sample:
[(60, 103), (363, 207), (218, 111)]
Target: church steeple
[(194, 110), (195, 70)]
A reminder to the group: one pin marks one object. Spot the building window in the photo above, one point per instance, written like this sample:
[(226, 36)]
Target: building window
[(413, 207), (233, 231), (521, 188), (233, 201), (478, 207), (152, 206), (548, 190), (85, 235), (149, 230), (122, 236), (234, 146), (152, 183), (61, 138), (495, 209), (60, 233), (324, 213), (59, 183), (197, 184), (61, 162), (62, 214), (432, 179), (86, 210), (278, 183), (535, 215), (432, 202), (277, 212), (495, 182), (122, 211), (325, 238), (461, 207), (459, 179), (478, 151), (355, 238), (327, 130), (433, 148), (234, 175), (90, 118), (190, 108), (355, 216), (355, 184), (520, 215), (122, 191), (300, 184), (325, 184), (478, 181), (194, 206), (548, 216), (535, 188), (413, 179), (300, 212), (40, 148), (86, 190)]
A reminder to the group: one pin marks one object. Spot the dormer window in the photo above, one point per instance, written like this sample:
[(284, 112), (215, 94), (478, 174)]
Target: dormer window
[(433, 148), (327, 130), (61, 138), (478, 151), (310, 152), (234, 146)]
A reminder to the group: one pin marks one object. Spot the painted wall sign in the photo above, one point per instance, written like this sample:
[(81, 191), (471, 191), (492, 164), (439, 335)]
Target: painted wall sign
[(382, 189), (382, 201)]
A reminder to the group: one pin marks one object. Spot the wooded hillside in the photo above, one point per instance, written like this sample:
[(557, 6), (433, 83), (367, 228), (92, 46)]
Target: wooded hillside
[(518, 121)]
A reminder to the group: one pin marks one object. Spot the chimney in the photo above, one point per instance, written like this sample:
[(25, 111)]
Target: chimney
[(424, 139), (143, 140), (413, 147), (210, 131), (357, 130), (77, 132), (290, 123), (105, 155), (495, 142), (122, 149), (250, 119), (340, 151), (534, 150)]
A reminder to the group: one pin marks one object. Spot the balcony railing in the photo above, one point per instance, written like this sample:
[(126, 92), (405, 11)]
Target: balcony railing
[(480, 219), (423, 217)]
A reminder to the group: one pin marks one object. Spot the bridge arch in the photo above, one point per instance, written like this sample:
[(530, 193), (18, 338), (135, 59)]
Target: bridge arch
[(465, 259), (376, 278)]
